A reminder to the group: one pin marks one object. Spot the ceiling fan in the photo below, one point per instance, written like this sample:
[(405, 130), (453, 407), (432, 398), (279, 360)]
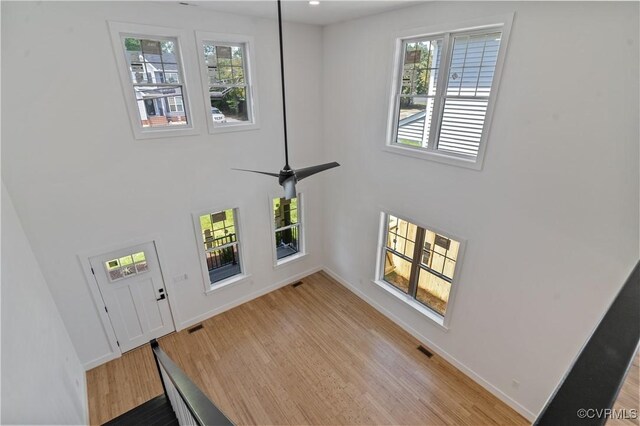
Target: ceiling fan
[(288, 177)]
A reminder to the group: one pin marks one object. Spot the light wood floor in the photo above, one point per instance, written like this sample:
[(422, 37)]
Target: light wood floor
[(629, 397), (311, 354)]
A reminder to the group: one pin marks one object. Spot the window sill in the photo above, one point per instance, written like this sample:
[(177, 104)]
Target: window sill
[(227, 282), (165, 132), (228, 128), (435, 156), (286, 260), (412, 303)]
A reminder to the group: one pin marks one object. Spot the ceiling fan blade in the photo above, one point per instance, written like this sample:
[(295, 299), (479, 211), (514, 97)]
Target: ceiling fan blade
[(257, 171), (289, 186), (308, 171)]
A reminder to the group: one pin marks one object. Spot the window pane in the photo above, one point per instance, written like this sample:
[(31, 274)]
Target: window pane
[(223, 263), (401, 236), (218, 229), (397, 271), (420, 67), (433, 291), (440, 254), (414, 120), (285, 212), (287, 242), (231, 102), (227, 83), (473, 63), (154, 109), (462, 124)]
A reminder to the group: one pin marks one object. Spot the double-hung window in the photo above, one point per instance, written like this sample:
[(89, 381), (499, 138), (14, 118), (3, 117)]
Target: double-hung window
[(226, 72), (219, 246), (444, 92), (151, 69), (419, 263), (287, 229)]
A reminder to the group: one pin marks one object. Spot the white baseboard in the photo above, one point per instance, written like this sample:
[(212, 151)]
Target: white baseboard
[(247, 298), (100, 360), (442, 353)]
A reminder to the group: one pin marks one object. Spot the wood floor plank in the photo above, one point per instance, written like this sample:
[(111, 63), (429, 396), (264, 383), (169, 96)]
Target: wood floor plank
[(629, 397), (310, 354)]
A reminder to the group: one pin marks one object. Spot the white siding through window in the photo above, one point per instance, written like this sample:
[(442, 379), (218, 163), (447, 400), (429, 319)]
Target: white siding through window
[(473, 64)]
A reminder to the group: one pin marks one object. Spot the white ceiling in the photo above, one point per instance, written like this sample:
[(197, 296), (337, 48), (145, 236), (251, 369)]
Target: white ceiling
[(327, 12)]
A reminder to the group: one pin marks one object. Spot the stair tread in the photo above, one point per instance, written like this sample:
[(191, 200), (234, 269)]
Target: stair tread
[(156, 411)]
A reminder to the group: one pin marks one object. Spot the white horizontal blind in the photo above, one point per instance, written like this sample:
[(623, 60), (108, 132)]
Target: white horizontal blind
[(469, 81)]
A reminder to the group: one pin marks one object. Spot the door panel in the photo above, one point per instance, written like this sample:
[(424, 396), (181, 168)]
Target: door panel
[(130, 282), (125, 307)]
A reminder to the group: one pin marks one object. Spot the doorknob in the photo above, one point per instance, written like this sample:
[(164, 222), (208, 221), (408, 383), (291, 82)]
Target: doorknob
[(162, 297)]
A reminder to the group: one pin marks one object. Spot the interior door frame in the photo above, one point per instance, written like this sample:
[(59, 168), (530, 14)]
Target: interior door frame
[(98, 301)]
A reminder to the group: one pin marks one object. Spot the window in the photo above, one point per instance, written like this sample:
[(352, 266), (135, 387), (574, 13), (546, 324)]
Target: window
[(175, 104), (219, 243), (444, 93), (226, 76), (150, 65), (419, 263), (287, 228)]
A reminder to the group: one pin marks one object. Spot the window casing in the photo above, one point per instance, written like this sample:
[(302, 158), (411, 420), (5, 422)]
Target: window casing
[(150, 63), (287, 229), (226, 69), (444, 90), (419, 263), (218, 238)]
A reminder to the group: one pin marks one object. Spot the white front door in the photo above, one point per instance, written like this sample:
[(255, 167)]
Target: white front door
[(134, 295)]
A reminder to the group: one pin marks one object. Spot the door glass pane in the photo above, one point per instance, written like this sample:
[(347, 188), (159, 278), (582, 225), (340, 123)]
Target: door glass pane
[(126, 266)]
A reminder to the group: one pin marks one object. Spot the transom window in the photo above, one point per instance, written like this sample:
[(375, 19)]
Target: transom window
[(286, 227), (443, 95), (219, 245), (418, 262), (226, 75)]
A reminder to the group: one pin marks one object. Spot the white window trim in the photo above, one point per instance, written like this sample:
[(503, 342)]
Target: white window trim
[(302, 246), (120, 29), (501, 22), (407, 299), (249, 74), (243, 275)]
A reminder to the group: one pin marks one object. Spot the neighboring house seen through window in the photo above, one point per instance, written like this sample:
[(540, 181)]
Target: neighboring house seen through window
[(444, 93), (157, 85)]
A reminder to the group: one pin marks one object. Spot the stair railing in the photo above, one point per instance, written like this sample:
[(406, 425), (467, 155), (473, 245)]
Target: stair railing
[(191, 405)]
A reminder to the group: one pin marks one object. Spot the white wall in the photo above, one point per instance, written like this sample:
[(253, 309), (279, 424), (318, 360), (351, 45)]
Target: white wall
[(81, 182), (42, 378), (551, 222)]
